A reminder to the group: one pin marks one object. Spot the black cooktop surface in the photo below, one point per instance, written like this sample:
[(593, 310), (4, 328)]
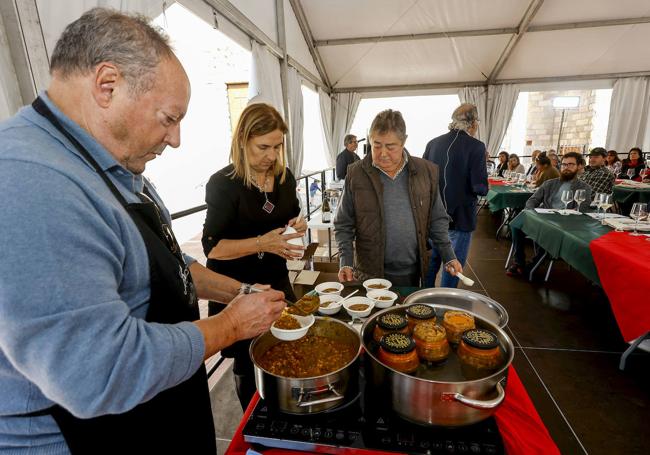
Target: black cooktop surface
[(366, 425)]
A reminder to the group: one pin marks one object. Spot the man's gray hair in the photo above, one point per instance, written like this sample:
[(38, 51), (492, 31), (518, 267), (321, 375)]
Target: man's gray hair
[(389, 121), (463, 117), (349, 138), (106, 35)]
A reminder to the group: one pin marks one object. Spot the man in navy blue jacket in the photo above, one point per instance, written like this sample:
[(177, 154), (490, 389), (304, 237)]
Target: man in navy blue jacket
[(461, 160)]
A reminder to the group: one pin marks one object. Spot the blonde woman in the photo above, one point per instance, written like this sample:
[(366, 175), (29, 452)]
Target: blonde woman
[(250, 203)]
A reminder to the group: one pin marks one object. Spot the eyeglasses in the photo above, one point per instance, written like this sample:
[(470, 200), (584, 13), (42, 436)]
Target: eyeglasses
[(568, 165)]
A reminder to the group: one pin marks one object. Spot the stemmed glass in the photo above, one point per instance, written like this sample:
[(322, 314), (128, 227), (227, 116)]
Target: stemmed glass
[(617, 168), (606, 202), (567, 198), (490, 168), (506, 175), (521, 179), (644, 173), (580, 196), (630, 173), (597, 201), (639, 212)]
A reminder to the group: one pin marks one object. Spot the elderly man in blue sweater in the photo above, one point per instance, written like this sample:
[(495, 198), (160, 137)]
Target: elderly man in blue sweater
[(101, 345), (463, 178)]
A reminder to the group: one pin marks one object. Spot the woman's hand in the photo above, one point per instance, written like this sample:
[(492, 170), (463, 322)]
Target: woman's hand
[(299, 224), (277, 243)]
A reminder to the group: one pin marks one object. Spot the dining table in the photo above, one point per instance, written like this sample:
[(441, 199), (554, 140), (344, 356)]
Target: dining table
[(607, 258), (508, 198)]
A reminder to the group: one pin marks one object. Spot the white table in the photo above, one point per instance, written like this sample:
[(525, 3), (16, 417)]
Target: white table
[(316, 222)]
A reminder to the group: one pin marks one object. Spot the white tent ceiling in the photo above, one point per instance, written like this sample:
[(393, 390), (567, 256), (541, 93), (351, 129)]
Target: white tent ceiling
[(364, 44)]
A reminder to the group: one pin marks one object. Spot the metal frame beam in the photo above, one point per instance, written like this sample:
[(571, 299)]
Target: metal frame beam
[(27, 46), (527, 18), (299, 12), (483, 32), (532, 80), (415, 36)]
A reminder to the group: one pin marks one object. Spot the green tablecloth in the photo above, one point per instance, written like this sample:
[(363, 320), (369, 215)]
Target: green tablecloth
[(500, 197), (564, 236), (629, 195)]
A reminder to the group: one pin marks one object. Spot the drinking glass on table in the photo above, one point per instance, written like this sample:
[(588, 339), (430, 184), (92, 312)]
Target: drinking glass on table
[(617, 168), (606, 202), (645, 174), (639, 212), (597, 200), (567, 198), (521, 179), (630, 173), (579, 196)]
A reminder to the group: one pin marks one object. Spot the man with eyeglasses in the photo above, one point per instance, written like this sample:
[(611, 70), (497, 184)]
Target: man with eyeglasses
[(549, 195), (347, 156)]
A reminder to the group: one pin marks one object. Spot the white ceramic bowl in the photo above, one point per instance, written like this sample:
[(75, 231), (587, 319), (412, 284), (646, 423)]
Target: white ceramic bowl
[(298, 241), (290, 335), (321, 288), (377, 281), (375, 294), (333, 303), (355, 301)]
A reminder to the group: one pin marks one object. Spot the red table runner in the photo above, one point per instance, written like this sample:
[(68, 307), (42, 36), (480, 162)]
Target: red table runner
[(496, 182), (623, 263), (521, 428)]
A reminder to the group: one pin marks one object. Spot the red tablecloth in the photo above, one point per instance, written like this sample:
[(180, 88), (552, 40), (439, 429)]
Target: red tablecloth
[(521, 428), (496, 182), (623, 263)]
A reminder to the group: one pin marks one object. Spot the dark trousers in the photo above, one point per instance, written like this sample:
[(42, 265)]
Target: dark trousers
[(519, 243)]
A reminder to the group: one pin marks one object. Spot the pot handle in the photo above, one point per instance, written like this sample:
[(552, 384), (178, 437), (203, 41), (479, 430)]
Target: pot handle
[(481, 404), (330, 388)]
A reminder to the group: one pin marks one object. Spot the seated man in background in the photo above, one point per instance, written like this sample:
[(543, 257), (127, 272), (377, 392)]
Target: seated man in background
[(596, 175), (549, 196), (390, 206)]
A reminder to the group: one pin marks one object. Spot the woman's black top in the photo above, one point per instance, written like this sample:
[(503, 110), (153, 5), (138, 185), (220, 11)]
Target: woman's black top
[(235, 212)]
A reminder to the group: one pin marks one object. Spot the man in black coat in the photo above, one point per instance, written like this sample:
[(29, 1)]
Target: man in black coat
[(347, 156), (461, 160)]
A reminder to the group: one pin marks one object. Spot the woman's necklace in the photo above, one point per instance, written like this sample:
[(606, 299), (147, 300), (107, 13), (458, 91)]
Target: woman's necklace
[(268, 205)]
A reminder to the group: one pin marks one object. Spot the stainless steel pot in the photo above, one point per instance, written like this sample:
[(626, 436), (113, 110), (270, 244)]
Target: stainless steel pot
[(309, 395), (462, 300), (451, 401)]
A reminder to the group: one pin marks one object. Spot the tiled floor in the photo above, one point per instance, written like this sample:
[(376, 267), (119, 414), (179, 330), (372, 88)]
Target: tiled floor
[(567, 352)]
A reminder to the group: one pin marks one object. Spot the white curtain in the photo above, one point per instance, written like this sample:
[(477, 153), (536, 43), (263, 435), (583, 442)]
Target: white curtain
[(265, 85), (478, 97), (326, 119), (296, 121), (501, 100), (628, 115), (10, 99)]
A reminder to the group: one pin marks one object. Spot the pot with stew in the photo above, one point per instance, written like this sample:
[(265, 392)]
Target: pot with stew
[(318, 372)]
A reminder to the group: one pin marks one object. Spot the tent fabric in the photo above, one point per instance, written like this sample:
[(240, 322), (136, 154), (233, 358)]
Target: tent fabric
[(501, 100), (10, 99), (296, 121), (629, 114), (325, 103), (265, 85), (344, 108)]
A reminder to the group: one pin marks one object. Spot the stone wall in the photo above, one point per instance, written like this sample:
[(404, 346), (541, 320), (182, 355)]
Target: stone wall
[(543, 123)]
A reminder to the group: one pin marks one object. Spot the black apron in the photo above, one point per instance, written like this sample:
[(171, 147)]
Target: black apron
[(179, 419)]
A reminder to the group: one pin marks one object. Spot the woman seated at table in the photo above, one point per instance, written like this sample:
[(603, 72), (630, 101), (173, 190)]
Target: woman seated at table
[(391, 205), (545, 171), (611, 160), (555, 160), (514, 165), (250, 202), (635, 162), (503, 163)]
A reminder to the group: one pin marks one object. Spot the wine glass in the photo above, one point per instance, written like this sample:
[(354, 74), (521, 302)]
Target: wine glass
[(579, 196), (630, 173), (521, 179), (567, 198), (506, 175), (597, 201), (606, 201), (490, 168), (645, 174), (617, 168), (639, 212)]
